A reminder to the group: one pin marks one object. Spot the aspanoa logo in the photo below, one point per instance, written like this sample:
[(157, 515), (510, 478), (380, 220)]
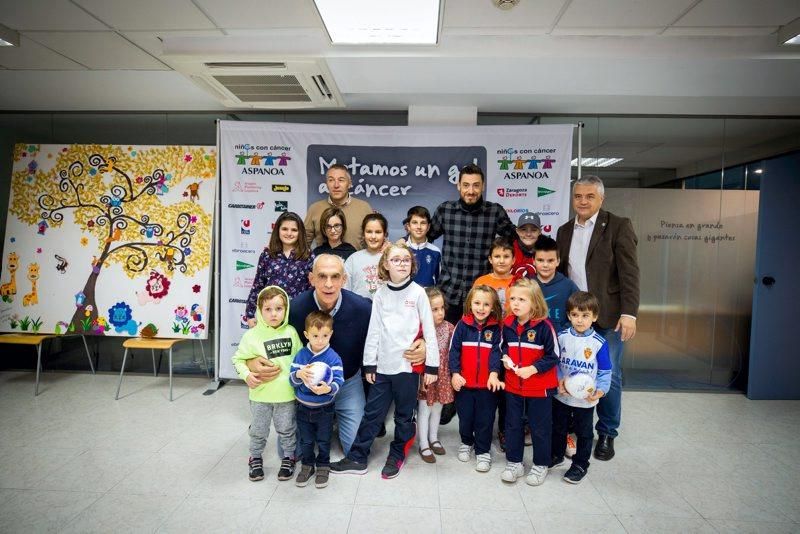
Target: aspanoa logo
[(262, 159), (525, 163)]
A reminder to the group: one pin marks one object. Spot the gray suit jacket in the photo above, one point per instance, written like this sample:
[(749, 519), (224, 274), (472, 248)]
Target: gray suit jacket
[(612, 271)]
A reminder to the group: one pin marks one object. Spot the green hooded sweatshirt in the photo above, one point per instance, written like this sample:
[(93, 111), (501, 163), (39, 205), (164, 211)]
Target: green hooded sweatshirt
[(279, 345)]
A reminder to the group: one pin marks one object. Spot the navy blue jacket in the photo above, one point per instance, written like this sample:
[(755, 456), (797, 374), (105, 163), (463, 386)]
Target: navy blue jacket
[(349, 326)]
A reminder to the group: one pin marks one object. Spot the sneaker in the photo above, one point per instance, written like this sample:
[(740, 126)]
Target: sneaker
[(501, 441), (536, 475), (346, 466), (574, 474), (305, 474), (528, 437), (512, 472), (286, 471), (483, 462), (557, 461), (572, 446), (392, 468), (256, 469), (464, 452), (322, 477)]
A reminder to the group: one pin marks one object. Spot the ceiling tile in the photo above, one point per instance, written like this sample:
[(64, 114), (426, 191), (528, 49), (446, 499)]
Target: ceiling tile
[(257, 14), (541, 13), (622, 13), (46, 15), (32, 55), (148, 14), (741, 13), (609, 31), (98, 50), (150, 41)]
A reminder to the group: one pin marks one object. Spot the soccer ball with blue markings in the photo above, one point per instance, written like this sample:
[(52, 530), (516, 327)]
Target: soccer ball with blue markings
[(579, 385)]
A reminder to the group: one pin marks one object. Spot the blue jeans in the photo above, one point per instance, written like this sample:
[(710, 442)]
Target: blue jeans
[(314, 426), (349, 405), (609, 409)]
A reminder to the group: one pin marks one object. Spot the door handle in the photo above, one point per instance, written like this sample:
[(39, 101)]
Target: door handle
[(768, 281)]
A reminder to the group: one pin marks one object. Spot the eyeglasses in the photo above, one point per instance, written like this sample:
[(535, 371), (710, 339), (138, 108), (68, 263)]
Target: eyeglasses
[(333, 227), (400, 261)]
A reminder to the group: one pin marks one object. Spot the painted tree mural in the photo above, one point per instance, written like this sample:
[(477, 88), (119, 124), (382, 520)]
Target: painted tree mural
[(114, 194)]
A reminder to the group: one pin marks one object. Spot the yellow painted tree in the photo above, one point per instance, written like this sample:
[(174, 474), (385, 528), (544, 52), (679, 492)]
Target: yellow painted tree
[(114, 193)]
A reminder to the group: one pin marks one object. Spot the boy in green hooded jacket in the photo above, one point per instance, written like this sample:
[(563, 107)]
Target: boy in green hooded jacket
[(275, 339)]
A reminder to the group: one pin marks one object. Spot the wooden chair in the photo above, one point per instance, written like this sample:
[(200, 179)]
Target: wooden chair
[(153, 344), (38, 340)]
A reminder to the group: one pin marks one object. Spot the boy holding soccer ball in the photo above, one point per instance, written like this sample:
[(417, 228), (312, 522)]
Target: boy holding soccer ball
[(584, 375), (316, 376)]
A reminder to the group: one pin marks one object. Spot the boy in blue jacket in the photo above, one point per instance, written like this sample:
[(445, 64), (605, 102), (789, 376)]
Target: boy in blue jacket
[(315, 408), (556, 287)]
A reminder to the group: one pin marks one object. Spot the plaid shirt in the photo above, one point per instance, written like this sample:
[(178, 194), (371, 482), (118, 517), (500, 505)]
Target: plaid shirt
[(467, 239)]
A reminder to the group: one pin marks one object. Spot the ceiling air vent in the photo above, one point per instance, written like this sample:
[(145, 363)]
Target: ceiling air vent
[(267, 84)]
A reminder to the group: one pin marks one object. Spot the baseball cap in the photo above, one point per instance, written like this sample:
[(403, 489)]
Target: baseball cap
[(529, 218)]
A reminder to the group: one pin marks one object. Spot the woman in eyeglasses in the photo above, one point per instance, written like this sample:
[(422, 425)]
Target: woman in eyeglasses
[(334, 226)]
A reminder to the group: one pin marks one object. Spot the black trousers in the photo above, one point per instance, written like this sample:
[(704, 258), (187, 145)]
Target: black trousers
[(582, 424)]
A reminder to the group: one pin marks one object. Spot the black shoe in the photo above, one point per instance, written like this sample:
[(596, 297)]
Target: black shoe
[(287, 469), (575, 474), (346, 466), (256, 469), (556, 461), (604, 450), (392, 468), (448, 412), (382, 431)]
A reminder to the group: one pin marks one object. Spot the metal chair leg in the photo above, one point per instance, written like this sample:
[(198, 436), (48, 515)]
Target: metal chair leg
[(121, 371), (38, 368), (203, 352), (170, 374), (155, 370), (88, 355)]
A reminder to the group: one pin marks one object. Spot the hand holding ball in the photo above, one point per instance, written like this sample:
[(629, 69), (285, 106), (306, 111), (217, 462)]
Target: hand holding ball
[(321, 373), (579, 385)]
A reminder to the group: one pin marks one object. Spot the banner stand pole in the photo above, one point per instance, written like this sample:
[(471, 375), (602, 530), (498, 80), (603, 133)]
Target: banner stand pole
[(580, 147), (215, 384)]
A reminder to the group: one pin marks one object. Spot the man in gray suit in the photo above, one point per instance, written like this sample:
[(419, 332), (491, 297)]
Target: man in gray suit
[(598, 253)]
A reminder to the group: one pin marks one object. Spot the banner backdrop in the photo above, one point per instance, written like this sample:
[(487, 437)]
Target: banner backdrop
[(109, 240), (269, 168)]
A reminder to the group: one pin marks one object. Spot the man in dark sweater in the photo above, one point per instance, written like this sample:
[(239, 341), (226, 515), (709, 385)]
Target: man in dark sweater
[(351, 314)]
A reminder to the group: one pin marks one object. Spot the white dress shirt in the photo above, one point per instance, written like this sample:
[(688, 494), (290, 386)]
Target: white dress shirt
[(581, 236)]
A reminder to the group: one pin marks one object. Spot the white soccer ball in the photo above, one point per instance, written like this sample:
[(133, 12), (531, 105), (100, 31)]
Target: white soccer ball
[(321, 372), (579, 385)]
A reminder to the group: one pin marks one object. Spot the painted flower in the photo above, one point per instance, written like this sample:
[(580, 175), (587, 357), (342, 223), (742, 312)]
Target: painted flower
[(139, 179), (92, 171), (84, 241), (193, 219), (187, 158), (196, 288), (90, 224), (39, 250), (187, 251)]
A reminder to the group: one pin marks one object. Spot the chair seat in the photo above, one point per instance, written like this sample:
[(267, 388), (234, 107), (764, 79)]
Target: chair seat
[(24, 339), (150, 343)]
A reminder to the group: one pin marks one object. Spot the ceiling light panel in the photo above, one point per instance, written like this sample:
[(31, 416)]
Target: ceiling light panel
[(358, 22)]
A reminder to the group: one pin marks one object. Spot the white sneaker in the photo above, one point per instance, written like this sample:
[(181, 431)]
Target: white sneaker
[(536, 475), (483, 462), (464, 452), (513, 471)]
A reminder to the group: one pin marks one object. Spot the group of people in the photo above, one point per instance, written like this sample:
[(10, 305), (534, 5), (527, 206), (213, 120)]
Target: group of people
[(406, 323)]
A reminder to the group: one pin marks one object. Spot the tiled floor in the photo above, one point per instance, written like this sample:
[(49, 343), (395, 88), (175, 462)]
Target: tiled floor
[(75, 460)]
